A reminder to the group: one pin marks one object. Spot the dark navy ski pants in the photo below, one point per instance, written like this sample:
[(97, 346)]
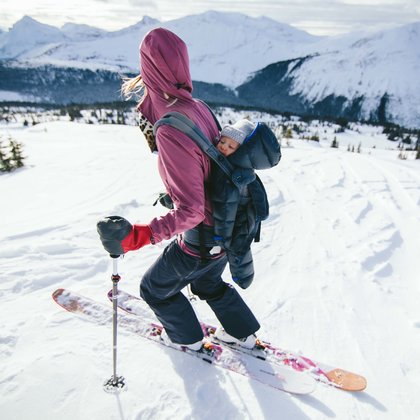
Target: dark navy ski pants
[(161, 288)]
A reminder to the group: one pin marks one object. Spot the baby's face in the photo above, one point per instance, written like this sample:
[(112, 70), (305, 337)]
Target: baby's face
[(227, 146)]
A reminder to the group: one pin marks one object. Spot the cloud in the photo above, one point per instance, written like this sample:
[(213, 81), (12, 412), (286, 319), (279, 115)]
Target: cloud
[(322, 17), (377, 2), (143, 3)]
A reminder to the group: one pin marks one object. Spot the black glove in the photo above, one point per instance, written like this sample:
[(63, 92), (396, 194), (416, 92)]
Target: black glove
[(112, 230), (165, 200)]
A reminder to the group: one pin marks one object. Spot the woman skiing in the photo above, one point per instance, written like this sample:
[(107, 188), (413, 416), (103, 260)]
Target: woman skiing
[(184, 168)]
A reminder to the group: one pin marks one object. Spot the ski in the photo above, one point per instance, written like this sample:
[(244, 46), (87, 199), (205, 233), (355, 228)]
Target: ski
[(336, 377), (283, 378)]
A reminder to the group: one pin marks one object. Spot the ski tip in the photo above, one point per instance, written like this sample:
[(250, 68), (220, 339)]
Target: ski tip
[(55, 295), (61, 296), (347, 381)]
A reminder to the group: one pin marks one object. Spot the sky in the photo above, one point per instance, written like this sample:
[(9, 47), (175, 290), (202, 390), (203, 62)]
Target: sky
[(319, 17)]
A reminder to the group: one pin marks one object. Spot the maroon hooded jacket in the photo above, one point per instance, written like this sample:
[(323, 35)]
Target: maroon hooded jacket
[(183, 166)]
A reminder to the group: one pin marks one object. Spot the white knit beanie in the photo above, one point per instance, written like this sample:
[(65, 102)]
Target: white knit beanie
[(238, 131)]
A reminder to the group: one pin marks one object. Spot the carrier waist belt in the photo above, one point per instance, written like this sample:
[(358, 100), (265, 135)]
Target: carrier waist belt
[(192, 236)]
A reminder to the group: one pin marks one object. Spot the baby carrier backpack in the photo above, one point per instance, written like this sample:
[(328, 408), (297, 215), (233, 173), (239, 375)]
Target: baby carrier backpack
[(238, 196)]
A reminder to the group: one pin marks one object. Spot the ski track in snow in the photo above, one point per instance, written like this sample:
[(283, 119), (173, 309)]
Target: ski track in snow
[(337, 278)]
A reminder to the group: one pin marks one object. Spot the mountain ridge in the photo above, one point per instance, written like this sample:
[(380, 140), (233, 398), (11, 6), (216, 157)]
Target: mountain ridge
[(355, 75)]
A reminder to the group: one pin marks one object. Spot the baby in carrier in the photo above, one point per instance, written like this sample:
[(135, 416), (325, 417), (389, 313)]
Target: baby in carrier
[(232, 136)]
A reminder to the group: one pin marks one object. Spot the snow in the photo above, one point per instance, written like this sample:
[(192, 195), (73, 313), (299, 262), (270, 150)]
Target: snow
[(337, 278)]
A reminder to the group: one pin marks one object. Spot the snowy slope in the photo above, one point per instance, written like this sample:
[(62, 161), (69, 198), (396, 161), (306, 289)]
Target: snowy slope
[(337, 278)]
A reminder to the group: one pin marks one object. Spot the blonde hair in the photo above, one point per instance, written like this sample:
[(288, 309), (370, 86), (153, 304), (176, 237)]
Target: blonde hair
[(133, 87)]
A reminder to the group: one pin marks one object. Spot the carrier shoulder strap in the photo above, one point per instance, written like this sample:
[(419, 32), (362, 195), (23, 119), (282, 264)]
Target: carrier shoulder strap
[(186, 126), (212, 114)]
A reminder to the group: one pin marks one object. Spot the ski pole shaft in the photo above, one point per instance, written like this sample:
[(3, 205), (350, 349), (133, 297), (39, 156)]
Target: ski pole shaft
[(115, 279), (191, 295), (116, 383)]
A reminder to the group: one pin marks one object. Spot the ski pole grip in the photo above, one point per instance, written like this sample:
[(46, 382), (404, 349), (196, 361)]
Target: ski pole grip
[(115, 276)]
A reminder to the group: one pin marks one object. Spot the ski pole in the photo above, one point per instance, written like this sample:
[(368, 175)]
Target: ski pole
[(115, 383), (191, 296)]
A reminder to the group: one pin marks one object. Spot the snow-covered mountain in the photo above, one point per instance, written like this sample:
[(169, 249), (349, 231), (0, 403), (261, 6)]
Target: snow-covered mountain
[(359, 76), (28, 35), (77, 32), (224, 47), (374, 77), (227, 47), (380, 68)]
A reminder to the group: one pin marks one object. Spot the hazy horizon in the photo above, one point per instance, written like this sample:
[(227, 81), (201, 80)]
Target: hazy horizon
[(318, 17)]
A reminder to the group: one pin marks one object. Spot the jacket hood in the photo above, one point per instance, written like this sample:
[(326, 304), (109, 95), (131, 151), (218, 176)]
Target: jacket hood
[(164, 67), (260, 150)]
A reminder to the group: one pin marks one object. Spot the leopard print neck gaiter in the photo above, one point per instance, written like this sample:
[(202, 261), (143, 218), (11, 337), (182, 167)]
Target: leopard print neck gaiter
[(146, 128)]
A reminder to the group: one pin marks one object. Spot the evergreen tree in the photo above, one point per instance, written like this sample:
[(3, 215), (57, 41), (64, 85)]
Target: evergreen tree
[(402, 155), (296, 128), (407, 140), (359, 148), (288, 134), (314, 137), (5, 161), (74, 113), (342, 122), (120, 117), (11, 156), (16, 152)]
